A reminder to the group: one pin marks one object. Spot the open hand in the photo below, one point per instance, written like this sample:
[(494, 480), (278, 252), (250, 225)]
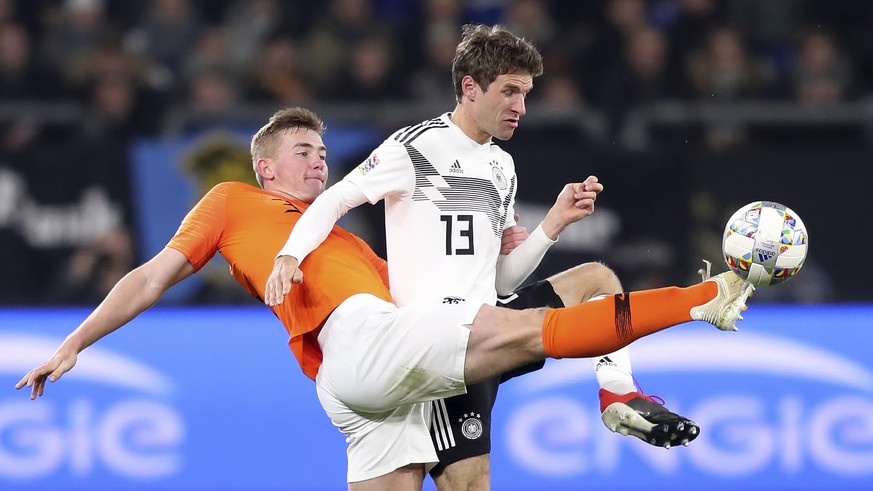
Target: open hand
[(59, 364), (285, 272)]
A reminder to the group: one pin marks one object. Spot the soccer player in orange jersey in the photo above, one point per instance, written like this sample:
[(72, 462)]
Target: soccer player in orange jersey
[(375, 365)]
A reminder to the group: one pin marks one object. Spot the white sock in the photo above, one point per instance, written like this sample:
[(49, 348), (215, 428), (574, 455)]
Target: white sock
[(614, 372)]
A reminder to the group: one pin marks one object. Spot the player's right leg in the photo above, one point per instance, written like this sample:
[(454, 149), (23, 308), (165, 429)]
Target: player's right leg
[(624, 409), (583, 283), (646, 418)]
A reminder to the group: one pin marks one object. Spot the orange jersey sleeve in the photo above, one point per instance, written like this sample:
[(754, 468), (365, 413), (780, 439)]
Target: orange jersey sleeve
[(248, 226)]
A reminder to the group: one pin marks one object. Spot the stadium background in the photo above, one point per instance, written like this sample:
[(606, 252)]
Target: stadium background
[(115, 116)]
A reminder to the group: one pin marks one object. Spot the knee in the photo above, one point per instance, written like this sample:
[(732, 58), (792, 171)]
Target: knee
[(585, 282), (605, 280)]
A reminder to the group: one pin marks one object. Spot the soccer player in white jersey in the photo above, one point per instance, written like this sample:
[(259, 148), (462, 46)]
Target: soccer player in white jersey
[(449, 194)]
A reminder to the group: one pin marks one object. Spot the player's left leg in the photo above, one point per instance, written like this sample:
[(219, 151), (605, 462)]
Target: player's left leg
[(461, 428), (502, 339), (624, 409), (461, 432)]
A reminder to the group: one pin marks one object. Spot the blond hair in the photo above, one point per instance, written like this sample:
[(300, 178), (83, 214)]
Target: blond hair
[(265, 140)]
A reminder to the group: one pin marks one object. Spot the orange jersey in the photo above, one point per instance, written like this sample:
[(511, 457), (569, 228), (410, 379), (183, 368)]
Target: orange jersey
[(248, 226)]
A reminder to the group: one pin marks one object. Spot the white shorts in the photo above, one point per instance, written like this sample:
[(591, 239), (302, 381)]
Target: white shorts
[(380, 365)]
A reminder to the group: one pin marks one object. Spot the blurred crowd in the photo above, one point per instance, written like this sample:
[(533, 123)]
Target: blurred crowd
[(149, 55), (80, 79), (133, 60)]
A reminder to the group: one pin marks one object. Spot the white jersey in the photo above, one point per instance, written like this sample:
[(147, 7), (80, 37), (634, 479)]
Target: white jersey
[(447, 202)]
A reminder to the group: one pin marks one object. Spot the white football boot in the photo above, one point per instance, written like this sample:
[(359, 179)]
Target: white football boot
[(724, 310)]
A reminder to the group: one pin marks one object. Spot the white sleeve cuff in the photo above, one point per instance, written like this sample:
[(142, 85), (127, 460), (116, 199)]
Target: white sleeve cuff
[(515, 267)]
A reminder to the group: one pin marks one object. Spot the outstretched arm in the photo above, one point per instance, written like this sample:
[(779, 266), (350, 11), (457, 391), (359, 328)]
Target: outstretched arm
[(133, 294)]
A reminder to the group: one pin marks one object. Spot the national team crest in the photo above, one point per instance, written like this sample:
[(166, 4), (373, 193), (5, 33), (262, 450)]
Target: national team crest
[(471, 425), (498, 177)]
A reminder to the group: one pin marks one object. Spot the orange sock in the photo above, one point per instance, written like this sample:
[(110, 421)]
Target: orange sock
[(602, 326)]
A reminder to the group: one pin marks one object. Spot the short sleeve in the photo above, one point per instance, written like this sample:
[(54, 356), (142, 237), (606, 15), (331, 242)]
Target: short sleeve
[(200, 232), (386, 172)]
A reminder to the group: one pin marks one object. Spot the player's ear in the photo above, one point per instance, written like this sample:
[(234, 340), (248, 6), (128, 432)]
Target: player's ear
[(265, 169), (468, 85)]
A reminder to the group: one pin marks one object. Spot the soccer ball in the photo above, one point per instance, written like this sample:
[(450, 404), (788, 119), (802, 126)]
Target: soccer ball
[(765, 243)]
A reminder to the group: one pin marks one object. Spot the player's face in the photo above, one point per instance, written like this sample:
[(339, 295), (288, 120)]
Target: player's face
[(300, 164), (498, 110)]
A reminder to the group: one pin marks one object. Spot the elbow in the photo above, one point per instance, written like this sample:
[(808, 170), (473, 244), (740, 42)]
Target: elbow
[(508, 278), (505, 292), (150, 289), (153, 292), (504, 286)]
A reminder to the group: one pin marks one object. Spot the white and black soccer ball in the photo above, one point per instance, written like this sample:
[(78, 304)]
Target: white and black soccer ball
[(765, 243)]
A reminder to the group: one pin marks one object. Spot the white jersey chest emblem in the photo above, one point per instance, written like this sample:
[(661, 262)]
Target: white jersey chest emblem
[(498, 178)]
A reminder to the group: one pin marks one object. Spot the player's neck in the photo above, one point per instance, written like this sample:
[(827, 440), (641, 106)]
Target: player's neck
[(286, 194), (463, 119)]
